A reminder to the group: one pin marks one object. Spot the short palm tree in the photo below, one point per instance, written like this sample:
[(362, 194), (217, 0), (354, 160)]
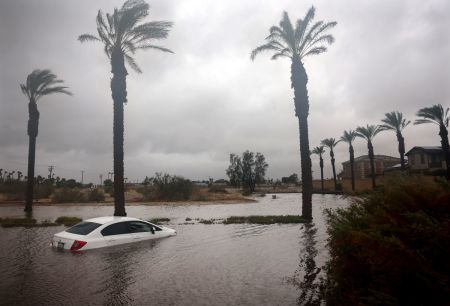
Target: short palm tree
[(349, 137), (394, 121), (368, 133), (39, 83), (330, 143), (122, 35), (320, 151), (437, 115), (296, 43)]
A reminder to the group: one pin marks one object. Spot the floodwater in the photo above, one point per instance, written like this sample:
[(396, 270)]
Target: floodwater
[(240, 264)]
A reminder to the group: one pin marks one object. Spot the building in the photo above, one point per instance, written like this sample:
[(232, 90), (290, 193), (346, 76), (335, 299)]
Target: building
[(362, 166), (427, 160)]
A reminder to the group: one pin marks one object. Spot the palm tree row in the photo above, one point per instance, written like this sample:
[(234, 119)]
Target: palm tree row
[(121, 34), (393, 121)]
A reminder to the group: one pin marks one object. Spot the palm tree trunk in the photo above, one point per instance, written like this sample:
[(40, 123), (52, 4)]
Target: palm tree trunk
[(119, 95), (33, 124), (372, 162), (299, 80), (321, 172), (401, 150), (352, 165), (443, 132), (334, 169)]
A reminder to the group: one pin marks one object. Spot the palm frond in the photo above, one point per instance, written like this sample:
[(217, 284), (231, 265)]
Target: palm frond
[(40, 83), (368, 132), (262, 48), (329, 143), (154, 47), (132, 63), (315, 51), (434, 114), (88, 37), (348, 136), (302, 25)]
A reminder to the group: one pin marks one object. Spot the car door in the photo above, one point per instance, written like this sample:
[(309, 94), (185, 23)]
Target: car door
[(117, 233), (142, 230)]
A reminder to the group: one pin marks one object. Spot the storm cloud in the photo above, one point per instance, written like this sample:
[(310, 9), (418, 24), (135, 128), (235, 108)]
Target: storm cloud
[(189, 110)]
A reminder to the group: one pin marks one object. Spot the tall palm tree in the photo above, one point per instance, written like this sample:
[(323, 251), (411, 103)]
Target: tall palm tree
[(320, 151), (349, 137), (39, 83), (330, 143), (296, 43), (394, 121), (122, 35), (368, 133), (437, 115)]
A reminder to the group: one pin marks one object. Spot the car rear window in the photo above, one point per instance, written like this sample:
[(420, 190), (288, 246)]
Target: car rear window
[(83, 228)]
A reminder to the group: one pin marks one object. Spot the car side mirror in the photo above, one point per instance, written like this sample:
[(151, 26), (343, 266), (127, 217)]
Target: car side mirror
[(152, 230)]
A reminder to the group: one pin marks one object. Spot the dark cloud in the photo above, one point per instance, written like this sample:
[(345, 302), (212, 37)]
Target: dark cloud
[(189, 110)]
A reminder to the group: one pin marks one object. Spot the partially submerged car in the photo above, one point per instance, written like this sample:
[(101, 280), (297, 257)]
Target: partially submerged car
[(108, 231)]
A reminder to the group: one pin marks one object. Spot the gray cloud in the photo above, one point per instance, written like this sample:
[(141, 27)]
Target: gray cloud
[(189, 110)]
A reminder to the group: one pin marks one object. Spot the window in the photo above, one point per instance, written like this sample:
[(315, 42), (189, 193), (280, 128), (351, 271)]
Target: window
[(422, 158), (83, 228), (116, 229), (139, 227)]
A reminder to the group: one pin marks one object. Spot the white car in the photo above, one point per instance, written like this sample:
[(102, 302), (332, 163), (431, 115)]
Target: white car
[(108, 231)]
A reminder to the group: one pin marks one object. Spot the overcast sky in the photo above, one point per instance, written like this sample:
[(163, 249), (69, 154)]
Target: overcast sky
[(189, 110)]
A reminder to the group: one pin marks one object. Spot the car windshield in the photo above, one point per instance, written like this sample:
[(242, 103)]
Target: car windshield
[(83, 228)]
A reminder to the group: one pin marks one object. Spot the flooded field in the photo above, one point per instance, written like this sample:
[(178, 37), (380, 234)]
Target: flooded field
[(217, 264)]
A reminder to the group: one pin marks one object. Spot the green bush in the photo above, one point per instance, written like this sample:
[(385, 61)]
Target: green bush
[(68, 195), (167, 187), (391, 247), (96, 195)]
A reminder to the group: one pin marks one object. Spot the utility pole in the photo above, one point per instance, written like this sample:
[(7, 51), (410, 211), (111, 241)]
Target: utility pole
[(82, 176), (101, 179), (50, 171)]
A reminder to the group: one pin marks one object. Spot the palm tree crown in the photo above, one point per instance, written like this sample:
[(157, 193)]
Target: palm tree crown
[(120, 32), (394, 121), (329, 142), (348, 137), (40, 83), (434, 114), (368, 132), (318, 150), (300, 41)]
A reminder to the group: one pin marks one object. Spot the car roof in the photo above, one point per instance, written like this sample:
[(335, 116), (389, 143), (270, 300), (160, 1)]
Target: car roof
[(111, 219)]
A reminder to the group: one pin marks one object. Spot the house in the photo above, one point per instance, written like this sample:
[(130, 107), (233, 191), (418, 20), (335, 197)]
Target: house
[(362, 166), (426, 160)]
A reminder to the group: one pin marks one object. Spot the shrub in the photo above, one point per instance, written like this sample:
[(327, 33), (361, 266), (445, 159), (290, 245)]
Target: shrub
[(68, 195), (96, 195), (167, 187), (391, 247), (264, 219), (217, 189), (159, 220)]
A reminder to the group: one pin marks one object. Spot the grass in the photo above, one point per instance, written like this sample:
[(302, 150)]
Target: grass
[(25, 222), (265, 219), (68, 221), (204, 221), (159, 220)]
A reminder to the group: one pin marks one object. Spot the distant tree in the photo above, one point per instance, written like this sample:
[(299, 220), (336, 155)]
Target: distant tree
[(330, 143), (296, 43), (320, 151), (368, 133), (394, 121), (122, 36), (291, 179), (349, 137), (260, 168), (437, 115), (234, 171), (248, 171), (39, 83)]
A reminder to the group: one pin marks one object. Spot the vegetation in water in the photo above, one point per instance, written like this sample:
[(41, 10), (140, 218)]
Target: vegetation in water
[(25, 222), (391, 247), (159, 220), (265, 219), (68, 221)]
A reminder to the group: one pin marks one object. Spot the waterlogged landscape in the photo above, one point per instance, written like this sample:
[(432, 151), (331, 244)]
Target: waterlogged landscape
[(205, 264)]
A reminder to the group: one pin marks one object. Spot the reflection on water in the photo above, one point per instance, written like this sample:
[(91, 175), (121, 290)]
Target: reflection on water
[(239, 264)]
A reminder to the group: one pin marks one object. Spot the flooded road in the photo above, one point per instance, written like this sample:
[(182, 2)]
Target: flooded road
[(217, 264)]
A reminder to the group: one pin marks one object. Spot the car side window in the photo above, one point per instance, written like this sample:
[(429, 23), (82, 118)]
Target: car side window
[(139, 227), (116, 229)]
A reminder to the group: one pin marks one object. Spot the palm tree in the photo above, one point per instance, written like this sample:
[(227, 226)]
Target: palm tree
[(330, 143), (394, 121), (296, 43), (368, 133), (349, 137), (39, 83), (436, 115), (122, 36), (319, 151)]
